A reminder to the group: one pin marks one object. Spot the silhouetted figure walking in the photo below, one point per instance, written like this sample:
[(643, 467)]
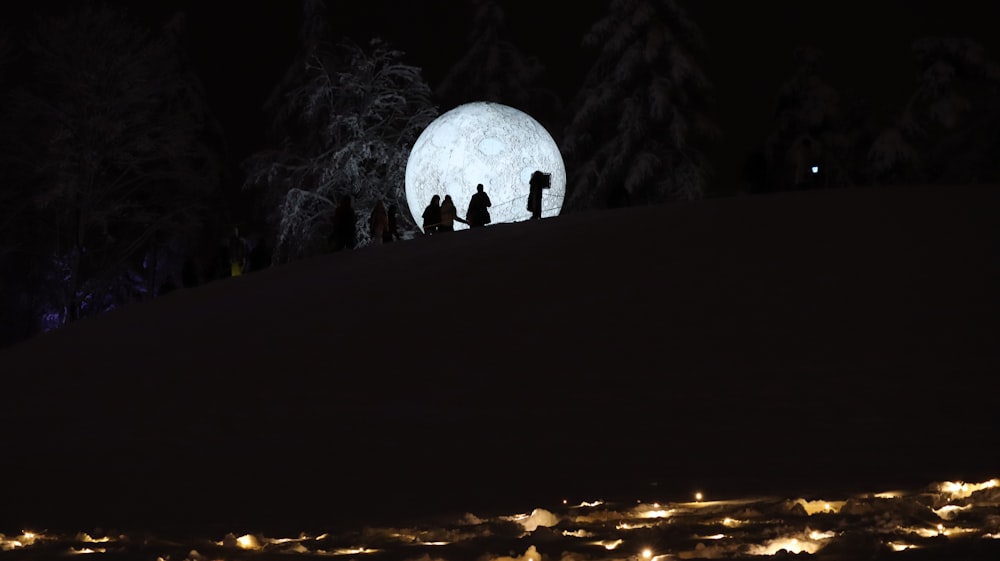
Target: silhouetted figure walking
[(344, 225), (448, 215), (392, 230), (378, 222), (479, 208), (432, 215), (539, 181)]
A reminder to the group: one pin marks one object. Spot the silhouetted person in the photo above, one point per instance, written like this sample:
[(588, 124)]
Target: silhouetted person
[(392, 230), (432, 215), (378, 222), (448, 215), (479, 208), (539, 181), (344, 225), (238, 253)]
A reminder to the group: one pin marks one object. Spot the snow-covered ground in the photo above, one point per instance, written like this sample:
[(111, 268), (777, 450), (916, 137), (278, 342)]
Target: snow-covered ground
[(822, 345), (947, 520)]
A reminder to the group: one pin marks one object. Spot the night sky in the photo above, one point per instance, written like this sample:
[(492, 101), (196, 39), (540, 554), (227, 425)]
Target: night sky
[(242, 50)]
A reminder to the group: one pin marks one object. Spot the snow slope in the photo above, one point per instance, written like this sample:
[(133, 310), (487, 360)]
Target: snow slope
[(784, 343)]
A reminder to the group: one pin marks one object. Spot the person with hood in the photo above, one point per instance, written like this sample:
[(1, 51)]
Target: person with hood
[(432, 216), (479, 208)]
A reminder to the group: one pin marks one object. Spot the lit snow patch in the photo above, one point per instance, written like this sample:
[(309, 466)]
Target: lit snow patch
[(819, 506), (538, 517), (961, 490), (950, 512)]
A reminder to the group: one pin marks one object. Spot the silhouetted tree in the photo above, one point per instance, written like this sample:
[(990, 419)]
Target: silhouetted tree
[(637, 127), (104, 162), (344, 119), (949, 129), (816, 134), (495, 69)]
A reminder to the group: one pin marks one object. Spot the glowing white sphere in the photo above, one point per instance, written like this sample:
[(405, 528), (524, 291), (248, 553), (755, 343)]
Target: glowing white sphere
[(488, 143)]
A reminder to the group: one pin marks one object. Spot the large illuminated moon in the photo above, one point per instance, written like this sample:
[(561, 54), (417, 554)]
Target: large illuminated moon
[(488, 143)]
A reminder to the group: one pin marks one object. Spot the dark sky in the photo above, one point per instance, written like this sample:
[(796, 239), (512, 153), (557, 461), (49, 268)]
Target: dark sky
[(242, 48)]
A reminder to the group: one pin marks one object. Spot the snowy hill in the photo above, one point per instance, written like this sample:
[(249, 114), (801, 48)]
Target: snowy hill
[(777, 342)]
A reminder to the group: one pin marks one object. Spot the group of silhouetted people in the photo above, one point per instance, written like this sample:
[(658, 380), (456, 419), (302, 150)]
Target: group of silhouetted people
[(440, 216), (382, 224)]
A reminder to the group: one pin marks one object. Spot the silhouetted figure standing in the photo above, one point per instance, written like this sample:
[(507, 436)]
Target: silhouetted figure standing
[(539, 181), (378, 222), (344, 225), (479, 208), (392, 230), (432, 215), (238, 253), (448, 214)]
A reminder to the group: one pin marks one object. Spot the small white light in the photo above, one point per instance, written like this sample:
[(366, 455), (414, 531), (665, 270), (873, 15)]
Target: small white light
[(698, 496), (815, 169), (647, 553)]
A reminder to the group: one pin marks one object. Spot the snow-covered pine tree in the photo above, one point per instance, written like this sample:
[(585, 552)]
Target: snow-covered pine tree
[(637, 126), (816, 133), (495, 69), (949, 129), (344, 119), (104, 161)]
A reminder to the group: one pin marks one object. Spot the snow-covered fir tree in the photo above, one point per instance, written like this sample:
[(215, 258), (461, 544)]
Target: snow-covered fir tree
[(949, 129), (495, 69), (816, 134), (344, 120), (637, 128), (109, 162)]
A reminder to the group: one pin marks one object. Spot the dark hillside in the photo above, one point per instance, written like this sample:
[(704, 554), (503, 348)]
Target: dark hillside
[(740, 344)]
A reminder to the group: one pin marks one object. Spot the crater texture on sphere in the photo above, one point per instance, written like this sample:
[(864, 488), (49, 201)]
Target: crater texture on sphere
[(489, 143)]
